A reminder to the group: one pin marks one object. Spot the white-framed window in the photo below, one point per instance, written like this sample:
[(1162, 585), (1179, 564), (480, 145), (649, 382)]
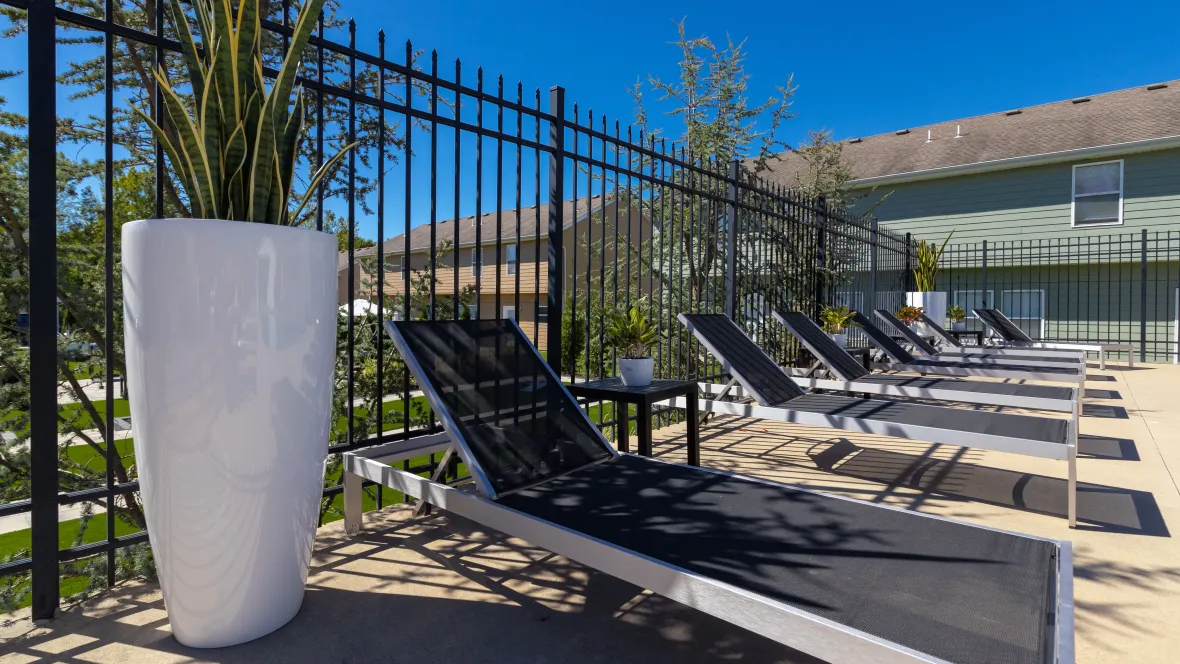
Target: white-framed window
[(543, 313), (476, 260), (1098, 194), (472, 311), (1026, 308), (512, 258), (508, 311), (974, 299), (397, 264)]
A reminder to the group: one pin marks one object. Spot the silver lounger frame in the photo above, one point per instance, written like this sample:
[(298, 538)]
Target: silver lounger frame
[(786, 624), (947, 350), (1102, 349), (1067, 451), (1062, 361), (1072, 405)]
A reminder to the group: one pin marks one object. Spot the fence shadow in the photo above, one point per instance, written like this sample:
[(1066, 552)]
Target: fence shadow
[(1103, 508), (434, 590)]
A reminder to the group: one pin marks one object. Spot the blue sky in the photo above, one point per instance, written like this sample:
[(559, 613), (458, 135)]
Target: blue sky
[(861, 67)]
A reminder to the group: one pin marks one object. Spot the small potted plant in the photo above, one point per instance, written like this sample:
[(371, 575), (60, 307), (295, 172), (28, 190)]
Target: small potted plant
[(908, 314), (633, 336), (957, 317), (834, 321)]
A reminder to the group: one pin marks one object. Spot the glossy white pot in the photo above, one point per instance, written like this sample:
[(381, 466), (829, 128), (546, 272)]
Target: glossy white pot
[(230, 333), (841, 338), (933, 305), (636, 372)]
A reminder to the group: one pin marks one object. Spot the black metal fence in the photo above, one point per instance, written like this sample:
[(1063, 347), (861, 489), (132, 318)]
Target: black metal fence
[(486, 202), (1100, 288)]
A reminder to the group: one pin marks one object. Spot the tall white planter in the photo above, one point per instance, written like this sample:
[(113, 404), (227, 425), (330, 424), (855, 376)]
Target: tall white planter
[(933, 305), (230, 333)]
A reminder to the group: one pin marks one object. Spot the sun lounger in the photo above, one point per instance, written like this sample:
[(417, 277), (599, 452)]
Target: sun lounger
[(851, 376), (951, 345), (779, 398), (902, 360), (839, 579), (1010, 332), (930, 351)]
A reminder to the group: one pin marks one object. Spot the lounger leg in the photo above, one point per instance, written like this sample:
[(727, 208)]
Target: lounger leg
[(1130, 358), (353, 506), (1073, 486), (1102, 359), (439, 476)]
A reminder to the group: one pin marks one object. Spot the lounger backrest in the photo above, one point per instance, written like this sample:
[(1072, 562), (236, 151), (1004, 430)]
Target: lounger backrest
[(913, 337), (821, 345), (882, 340), (941, 333), (989, 319), (1010, 328), (742, 358), (512, 420)]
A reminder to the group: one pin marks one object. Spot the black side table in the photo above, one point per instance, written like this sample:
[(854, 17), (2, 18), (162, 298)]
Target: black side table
[(975, 334), (613, 389)]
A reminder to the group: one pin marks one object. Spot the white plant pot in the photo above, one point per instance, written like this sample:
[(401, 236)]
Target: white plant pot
[(841, 338), (636, 372), (230, 333), (959, 326), (933, 305)]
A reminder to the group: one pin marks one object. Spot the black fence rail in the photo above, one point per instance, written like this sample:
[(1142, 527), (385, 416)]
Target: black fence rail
[(1101, 288), (488, 200)]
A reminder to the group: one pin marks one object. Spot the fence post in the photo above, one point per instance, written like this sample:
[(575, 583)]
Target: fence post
[(983, 293), (556, 226), (1143, 297), (43, 306), (821, 205), (731, 249), (872, 264), (909, 267)]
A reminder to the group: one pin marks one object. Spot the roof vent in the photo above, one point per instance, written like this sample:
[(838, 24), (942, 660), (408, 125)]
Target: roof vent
[(929, 135), (903, 131), (855, 140), (1157, 86), (1081, 100), (958, 131), (1016, 111)]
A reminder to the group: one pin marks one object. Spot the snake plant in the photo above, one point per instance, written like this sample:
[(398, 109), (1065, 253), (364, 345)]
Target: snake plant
[(926, 271), (234, 152)]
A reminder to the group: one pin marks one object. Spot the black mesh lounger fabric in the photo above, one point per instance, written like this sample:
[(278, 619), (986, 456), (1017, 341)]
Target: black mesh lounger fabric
[(983, 355), (881, 340), (978, 386), (757, 371), (1021, 427), (911, 336), (1006, 329), (519, 424), (992, 366), (957, 592), (836, 358)]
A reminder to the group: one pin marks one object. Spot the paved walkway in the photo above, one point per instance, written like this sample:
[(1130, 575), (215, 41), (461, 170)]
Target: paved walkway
[(441, 589)]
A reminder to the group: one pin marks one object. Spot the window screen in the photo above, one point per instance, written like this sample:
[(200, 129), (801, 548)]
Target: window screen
[(519, 425), (1098, 193)]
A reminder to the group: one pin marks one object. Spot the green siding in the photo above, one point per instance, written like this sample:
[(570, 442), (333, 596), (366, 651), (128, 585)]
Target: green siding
[(1086, 302), (1027, 203)]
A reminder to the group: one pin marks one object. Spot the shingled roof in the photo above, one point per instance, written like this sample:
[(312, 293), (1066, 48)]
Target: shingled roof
[(1124, 118), (530, 220)]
